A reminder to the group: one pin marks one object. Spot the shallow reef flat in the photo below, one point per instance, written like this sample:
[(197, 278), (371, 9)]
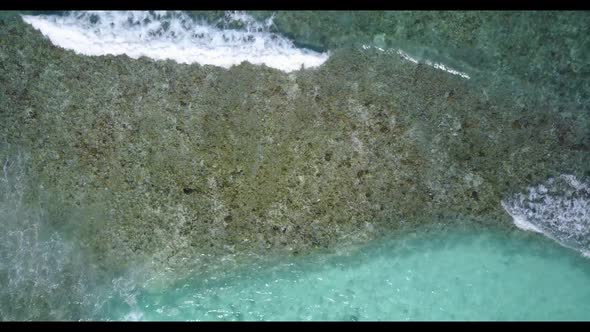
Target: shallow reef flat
[(173, 163)]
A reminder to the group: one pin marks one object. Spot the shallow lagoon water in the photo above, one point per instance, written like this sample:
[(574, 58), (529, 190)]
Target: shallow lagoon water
[(460, 274)]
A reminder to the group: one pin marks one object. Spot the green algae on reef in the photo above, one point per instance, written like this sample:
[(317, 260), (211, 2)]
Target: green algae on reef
[(178, 161)]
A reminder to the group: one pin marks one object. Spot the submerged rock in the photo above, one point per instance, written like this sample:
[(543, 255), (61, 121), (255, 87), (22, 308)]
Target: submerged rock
[(185, 163)]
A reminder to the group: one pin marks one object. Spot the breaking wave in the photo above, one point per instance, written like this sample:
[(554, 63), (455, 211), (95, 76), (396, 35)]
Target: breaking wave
[(175, 36), (558, 209)]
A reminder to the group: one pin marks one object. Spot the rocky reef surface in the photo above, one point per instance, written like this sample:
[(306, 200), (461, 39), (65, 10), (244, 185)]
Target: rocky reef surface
[(185, 164)]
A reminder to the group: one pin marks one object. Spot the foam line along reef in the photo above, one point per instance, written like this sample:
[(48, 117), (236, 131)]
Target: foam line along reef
[(175, 36)]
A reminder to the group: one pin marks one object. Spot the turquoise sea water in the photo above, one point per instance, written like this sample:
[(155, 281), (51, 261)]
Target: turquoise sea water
[(461, 274)]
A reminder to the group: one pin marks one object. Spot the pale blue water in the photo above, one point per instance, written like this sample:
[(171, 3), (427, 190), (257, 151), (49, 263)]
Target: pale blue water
[(463, 274)]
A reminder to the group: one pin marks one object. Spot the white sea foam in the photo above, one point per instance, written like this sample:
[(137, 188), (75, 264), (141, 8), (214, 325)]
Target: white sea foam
[(558, 209), (175, 36), (408, 57)]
